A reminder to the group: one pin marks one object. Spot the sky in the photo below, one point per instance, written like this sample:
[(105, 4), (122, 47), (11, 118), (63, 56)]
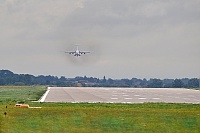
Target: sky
[(127, 38)]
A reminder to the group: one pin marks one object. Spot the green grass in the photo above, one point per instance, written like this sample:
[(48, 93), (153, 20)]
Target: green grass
[(98, 118), (21, 93)]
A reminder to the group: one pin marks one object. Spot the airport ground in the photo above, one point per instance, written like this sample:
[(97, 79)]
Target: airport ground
[(121, 95), (93, 117)]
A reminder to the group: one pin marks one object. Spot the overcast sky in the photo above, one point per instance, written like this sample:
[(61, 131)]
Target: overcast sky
[(128, 38)]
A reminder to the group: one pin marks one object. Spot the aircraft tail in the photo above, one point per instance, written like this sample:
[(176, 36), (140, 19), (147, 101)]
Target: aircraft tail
[(76, 46)]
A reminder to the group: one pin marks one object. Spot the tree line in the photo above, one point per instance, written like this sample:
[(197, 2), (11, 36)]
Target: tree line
[(9, 78)]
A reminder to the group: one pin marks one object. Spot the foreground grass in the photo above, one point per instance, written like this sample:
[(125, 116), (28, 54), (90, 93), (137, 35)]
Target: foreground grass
[(83, 117), (67, 117)]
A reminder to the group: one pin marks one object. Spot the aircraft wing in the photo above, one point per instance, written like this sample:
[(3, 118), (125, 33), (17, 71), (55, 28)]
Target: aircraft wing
[(84, 52), (70, 52)]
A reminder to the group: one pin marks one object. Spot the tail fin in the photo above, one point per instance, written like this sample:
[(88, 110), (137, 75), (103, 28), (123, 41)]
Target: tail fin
[(77, 46)]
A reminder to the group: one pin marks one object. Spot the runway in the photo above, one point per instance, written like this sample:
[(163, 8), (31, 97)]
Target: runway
[(121, 95)]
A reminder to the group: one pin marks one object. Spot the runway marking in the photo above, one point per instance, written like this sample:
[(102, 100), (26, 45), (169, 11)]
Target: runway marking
[(137, 95), (155, 98), (114, 98), (125, 95), (115, 95), (45, 95), (128, 98), (142, 98)]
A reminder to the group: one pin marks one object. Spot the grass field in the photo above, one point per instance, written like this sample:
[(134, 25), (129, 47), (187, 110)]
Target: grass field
[(84, 117), (21, 93)]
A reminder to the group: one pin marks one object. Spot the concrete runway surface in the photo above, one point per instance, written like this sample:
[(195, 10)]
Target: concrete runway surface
[(121, 95)]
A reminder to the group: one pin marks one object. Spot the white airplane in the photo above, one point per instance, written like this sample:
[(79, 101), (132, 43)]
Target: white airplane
[(77, 52)]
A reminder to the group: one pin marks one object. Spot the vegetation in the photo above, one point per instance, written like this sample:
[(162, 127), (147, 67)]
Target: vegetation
[(66, 117), (21, 93), (99, 117), (9, 78)]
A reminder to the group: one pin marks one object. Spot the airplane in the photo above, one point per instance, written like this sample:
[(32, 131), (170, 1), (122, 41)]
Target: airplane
[(77, 52)]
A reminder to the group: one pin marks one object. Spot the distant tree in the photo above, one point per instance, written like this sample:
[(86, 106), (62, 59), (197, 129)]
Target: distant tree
[(28, 79), (98, 80), (92, 80), (193, 83), (2, 81), (19, 83), (110, 81), (185, 81), (78, 78), (85, 77), (70, 84), (6, 73), (177, 83), (48, 82), (155, 83), (62, 78), (126, 82), (144, 83), (61, 84), (104, 79), (137, 82), (167, 83), (9, 78)]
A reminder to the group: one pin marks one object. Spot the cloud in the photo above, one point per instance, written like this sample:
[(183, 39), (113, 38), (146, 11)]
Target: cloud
[(33, 18), (140, 37)]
